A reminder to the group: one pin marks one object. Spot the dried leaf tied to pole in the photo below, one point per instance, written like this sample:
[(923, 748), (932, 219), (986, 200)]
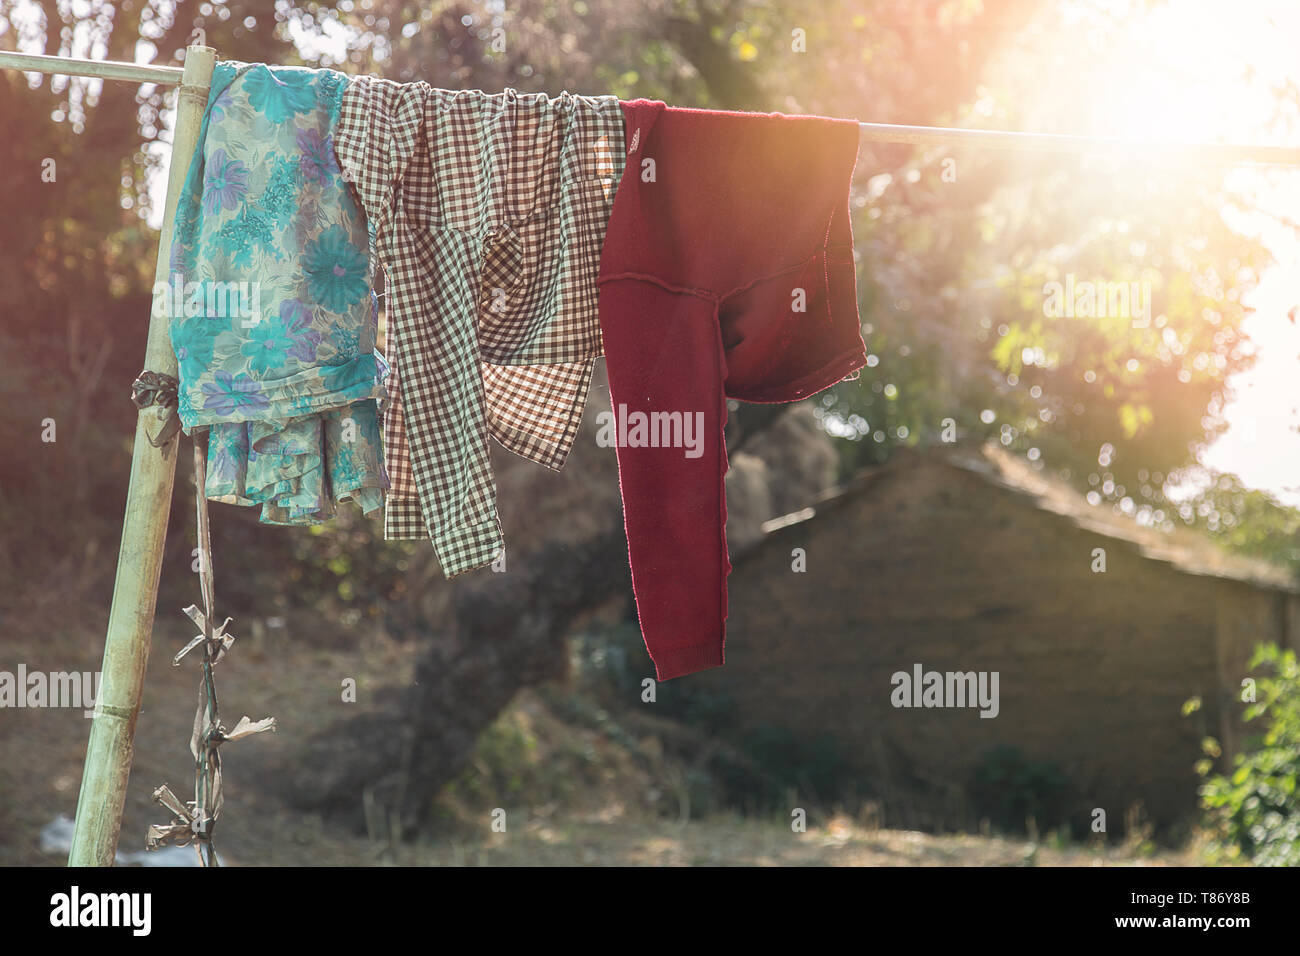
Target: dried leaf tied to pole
[(194, 821)]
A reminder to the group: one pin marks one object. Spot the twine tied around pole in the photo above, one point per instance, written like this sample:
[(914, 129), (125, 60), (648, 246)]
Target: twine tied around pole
[(194, 821), (154, 388)]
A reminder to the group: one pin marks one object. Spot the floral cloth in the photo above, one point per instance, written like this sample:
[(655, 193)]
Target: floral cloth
[(271, 310)]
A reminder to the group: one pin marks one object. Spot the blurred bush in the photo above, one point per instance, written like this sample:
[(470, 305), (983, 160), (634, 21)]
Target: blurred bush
[(1254, 811), (1010, 789)]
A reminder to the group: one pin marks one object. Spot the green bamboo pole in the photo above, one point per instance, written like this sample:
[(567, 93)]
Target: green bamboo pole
[(103, 69), (144, 530)]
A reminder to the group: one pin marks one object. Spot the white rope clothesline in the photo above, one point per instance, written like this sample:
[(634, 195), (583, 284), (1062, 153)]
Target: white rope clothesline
[(876, 132)]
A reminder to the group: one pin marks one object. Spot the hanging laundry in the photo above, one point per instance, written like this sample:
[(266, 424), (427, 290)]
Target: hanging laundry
[(488, 213), (727, 271), (272, 315)]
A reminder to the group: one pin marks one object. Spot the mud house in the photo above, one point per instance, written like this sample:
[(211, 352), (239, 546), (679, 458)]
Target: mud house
[(947, 566)]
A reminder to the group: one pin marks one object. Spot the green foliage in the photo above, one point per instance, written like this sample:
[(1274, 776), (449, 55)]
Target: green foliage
[(785, 760), (505, 765), (348, 564), (1008, 789), (611, 664), (1245, 520), (1254, 811)]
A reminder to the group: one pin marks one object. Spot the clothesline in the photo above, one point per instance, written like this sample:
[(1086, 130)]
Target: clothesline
[(875, 132)]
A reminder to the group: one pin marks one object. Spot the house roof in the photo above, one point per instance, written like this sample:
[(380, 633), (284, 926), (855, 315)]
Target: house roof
[(1184, 549)]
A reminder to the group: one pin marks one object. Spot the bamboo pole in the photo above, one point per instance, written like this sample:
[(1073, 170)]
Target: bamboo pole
[(103, 69), (144, 531)]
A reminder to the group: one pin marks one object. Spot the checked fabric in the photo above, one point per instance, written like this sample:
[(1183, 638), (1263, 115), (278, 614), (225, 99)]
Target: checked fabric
[(488, 213)]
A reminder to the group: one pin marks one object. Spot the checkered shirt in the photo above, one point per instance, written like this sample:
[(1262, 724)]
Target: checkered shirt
[(488, 213)]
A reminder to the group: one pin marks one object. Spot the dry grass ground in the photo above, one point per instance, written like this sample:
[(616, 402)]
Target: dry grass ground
[(605, 822)]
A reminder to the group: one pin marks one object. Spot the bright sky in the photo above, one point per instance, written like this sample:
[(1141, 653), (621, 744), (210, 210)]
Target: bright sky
[(1262, 444), (1206, 70)]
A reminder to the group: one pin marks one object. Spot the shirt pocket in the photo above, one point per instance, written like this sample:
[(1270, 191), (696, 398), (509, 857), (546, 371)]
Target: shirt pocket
[(537, 295)]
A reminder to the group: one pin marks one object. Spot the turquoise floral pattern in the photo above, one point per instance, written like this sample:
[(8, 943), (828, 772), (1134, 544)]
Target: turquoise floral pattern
[(279, 94), (267, 347), (277, 465), (231, 394), (287, 387), (226, 181), (318, 161), (337, 272), (195, 355)]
